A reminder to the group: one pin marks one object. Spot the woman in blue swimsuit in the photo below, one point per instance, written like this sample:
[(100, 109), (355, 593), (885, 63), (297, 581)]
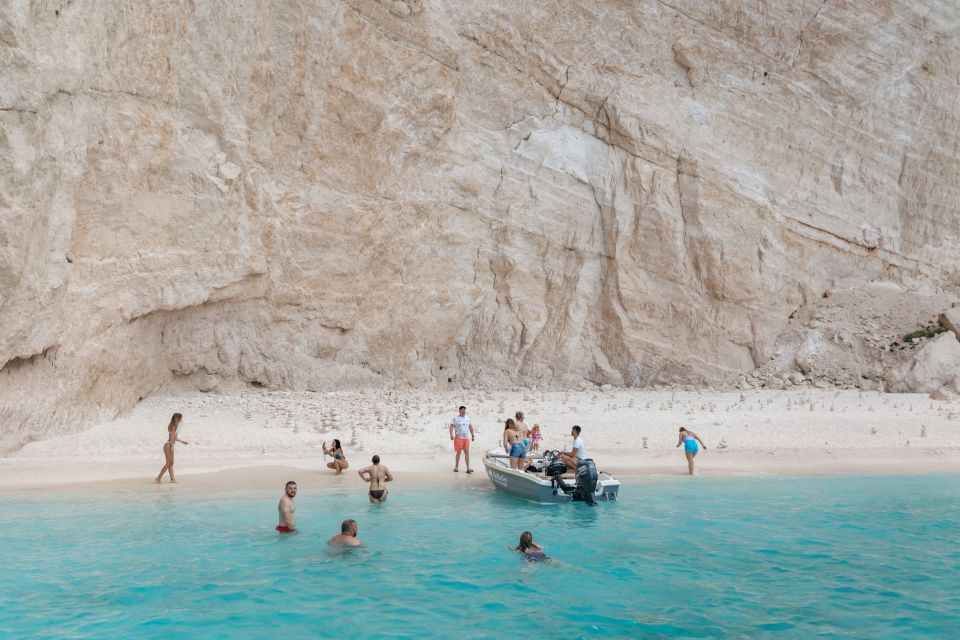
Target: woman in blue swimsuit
[(689, 441)]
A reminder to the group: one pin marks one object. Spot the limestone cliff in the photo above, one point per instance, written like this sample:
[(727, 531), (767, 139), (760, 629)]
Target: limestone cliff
[(309, 194)]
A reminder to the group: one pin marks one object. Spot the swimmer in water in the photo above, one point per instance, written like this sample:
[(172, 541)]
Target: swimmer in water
[(378, 476), (348, 535), (689, 441), (530, 549), (172, 428), (286, 508)]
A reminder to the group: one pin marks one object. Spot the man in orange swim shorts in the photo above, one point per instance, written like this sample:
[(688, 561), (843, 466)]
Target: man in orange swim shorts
[(286, 508), (461, 432)]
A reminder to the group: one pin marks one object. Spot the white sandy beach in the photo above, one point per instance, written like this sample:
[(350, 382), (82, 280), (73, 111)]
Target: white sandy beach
[(256, 440)]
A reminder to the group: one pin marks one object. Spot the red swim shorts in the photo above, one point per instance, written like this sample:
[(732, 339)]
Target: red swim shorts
[(282, 528), (459, 444)]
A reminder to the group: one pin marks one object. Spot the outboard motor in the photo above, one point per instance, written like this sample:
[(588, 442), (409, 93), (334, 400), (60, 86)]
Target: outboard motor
[(553, 466), (587, 477)]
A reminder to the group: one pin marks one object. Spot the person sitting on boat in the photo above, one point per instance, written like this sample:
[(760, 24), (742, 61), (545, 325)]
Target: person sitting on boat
[(513, 446), (579, 453), (530, 549)]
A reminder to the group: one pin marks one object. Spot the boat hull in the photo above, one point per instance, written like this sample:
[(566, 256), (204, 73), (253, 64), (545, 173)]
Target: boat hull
[(537, 489)]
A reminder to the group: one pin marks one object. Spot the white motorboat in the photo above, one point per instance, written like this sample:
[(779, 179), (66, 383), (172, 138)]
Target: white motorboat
[(552, 484)]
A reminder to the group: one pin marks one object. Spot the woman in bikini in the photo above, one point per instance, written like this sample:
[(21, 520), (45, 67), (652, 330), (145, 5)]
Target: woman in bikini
[(172, 439), (689, 441), (513, 446), (378, 476), (339, 460)]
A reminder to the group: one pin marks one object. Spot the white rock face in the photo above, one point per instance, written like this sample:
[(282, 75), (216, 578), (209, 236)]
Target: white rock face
[(317, 194)]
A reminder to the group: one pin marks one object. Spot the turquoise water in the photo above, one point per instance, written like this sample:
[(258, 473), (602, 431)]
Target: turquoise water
[(698, 558)]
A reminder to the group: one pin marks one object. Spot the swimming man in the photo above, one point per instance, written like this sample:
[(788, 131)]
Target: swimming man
[(348, 535)]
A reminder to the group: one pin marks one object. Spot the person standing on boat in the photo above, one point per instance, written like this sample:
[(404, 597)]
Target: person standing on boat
[(513, 446), (522, 429), (461, 433), (535, 437), (378, 476), (689, 441), (579, 452), (286, 509)]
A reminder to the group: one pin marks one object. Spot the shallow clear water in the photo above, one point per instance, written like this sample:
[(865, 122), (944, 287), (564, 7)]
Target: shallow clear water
[(790, 558)]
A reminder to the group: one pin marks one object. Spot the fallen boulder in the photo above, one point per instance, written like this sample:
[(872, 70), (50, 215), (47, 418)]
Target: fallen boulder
[(951, 320), (943, 393), (934, 365)]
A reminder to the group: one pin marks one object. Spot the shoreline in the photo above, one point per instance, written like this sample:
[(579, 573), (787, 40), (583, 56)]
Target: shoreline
[(420, 473), (255, 440)]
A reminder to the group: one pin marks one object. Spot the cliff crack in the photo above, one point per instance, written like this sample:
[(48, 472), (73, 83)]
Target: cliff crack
[(19, 110), (522, 140), (796, 54), (391, 35)]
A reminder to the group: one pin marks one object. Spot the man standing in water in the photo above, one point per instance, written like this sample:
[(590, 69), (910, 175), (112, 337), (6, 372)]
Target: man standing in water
[(348, 535), (461, 432), (378, 476), (288, 523)]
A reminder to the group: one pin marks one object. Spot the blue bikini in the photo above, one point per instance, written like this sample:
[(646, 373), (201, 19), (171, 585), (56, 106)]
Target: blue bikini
[(690, 445)]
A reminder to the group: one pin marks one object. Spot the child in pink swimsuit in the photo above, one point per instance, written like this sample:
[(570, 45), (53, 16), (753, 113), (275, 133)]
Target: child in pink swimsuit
[(535, 436)]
